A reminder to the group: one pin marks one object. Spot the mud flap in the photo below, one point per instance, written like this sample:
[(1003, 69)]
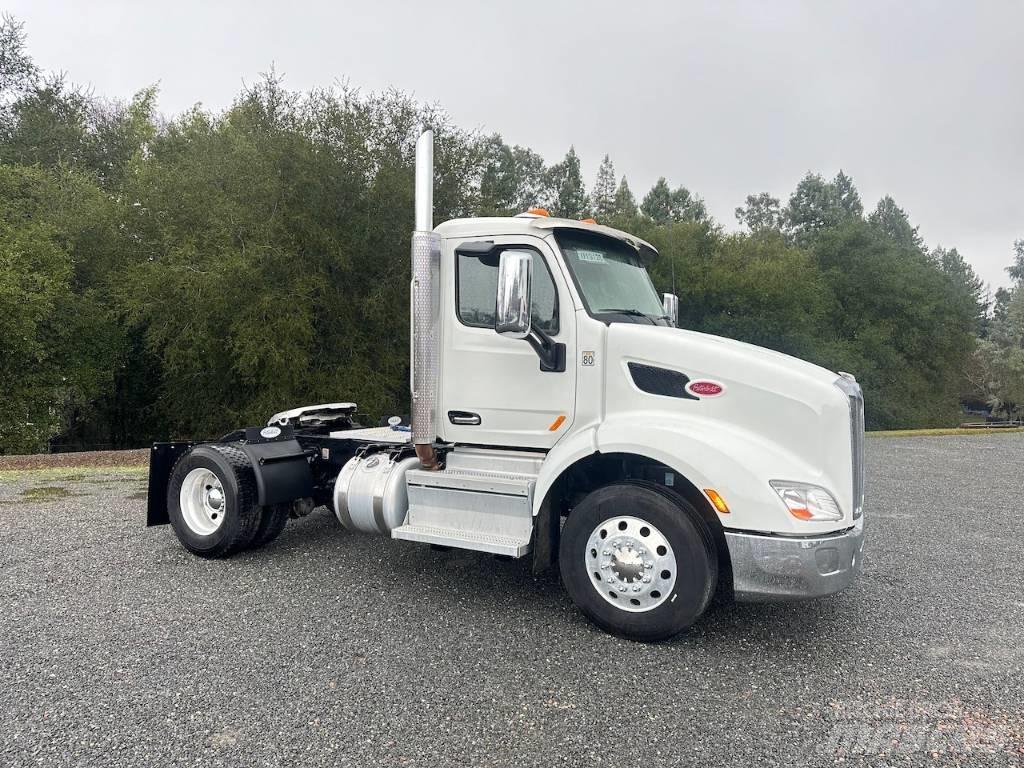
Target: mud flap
[(161, 461), (546, 531)]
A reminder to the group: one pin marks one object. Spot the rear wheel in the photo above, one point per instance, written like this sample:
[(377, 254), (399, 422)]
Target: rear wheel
[(272, 521), (638, 560), (211, 501)]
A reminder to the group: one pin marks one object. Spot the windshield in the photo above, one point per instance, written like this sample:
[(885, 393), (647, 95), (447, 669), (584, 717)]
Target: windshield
[(611, 279)]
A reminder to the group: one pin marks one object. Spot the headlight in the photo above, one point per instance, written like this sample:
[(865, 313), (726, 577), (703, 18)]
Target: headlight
[(807, 502)]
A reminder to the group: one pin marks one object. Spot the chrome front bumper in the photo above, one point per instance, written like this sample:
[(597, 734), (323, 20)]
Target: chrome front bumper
[(767, 568)]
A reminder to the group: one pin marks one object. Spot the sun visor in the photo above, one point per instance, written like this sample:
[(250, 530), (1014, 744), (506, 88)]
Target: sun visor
[(647, 251)]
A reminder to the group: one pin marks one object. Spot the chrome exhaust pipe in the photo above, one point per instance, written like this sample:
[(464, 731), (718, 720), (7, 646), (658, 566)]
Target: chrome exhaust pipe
[(425, 182), (426, 263)]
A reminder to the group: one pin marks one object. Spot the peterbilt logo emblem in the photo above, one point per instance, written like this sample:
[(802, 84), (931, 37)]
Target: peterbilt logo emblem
[(705, 388)]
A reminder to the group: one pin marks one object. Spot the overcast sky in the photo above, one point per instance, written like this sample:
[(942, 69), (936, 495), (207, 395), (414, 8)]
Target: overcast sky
[(923, 101)]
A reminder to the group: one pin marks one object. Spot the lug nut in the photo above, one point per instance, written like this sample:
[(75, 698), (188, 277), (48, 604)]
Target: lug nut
[(610, 580), (648, 565), (647, 579), (604, 566), (622, 588), (607, 553), (636, 589)]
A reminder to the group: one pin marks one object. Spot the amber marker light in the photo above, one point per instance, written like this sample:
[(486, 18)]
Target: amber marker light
[(539, 211), (556, 424), (717, 501)]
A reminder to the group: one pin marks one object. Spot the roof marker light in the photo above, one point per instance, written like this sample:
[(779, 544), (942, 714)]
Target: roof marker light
[(588, 221), (539, 211)]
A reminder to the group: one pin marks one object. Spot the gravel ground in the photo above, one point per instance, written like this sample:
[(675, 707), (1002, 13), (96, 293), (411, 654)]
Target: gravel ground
[(332, 649)]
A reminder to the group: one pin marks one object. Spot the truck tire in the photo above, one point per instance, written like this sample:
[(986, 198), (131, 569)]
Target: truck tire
[(272, 521), (211, 501), (638, 560)]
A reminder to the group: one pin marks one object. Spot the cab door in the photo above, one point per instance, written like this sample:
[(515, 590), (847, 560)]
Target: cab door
[(493, 391)]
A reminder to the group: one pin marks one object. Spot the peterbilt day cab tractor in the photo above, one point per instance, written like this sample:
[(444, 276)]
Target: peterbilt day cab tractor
[(558, 414)]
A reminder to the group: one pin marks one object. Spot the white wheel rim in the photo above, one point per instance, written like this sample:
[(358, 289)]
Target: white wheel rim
[(631, 564), (202, 501)]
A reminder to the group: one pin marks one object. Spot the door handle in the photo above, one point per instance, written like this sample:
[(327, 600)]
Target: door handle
[(464, 418)]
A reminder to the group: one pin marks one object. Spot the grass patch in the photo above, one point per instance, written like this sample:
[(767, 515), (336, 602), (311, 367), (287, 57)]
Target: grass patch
[(46, 493), (944, 432), (72, 474)]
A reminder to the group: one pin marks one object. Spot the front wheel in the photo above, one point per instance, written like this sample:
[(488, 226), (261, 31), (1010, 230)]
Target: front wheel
[(638, 560)]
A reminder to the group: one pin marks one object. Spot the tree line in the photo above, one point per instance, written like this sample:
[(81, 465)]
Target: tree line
[(178, 277)]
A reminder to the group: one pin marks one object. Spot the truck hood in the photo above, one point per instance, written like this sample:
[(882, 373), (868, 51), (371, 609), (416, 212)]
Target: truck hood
[(767, 357), (669, 345), (785, 403)]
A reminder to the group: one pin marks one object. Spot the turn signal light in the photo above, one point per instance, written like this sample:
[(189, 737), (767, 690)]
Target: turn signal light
[(717, 501), (539, 211)]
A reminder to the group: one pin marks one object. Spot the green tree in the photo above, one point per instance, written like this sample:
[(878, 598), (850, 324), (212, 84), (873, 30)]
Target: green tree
[(603, 198), (818, 205), (892, 221), (625, 203), (968, 289), (511, 178), (847, 196), (58, 338), (566, 194), (741, 287), (761, 213), (663, 205), (897, 323), (1016, 269), (18, 72)]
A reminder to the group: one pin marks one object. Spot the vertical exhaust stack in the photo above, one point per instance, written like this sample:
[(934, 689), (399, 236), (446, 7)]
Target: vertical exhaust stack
[(426, 262)]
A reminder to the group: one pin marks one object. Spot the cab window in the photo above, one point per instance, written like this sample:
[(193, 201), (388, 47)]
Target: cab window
[(477, 284)]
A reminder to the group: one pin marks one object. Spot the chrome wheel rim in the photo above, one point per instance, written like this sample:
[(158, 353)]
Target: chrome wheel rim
[(202, 501), (631, 564)]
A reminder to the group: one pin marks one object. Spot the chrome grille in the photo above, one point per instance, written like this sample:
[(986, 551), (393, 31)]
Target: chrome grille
[(852, 389), (857, 440)]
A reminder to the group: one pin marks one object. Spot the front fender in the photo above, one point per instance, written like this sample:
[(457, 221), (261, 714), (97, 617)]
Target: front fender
[(736, 462)]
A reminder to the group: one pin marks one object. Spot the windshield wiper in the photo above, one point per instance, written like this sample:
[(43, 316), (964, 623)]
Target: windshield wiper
[(631, 312)]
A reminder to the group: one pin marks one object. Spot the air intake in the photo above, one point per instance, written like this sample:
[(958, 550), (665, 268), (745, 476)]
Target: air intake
[(660, 381)]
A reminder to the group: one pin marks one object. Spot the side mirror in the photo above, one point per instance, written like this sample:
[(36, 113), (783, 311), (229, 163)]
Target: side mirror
[(670, 303), (512, 302)]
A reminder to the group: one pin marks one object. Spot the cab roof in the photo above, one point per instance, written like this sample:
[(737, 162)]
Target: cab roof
[(538, 226)]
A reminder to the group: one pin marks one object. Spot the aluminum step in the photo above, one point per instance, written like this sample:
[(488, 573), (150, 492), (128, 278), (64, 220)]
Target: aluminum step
[(491, 460), (473, 480), (470, 507), (463, 539)]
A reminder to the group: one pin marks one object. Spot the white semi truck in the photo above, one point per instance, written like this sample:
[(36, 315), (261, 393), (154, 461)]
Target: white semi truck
[(559, 414)]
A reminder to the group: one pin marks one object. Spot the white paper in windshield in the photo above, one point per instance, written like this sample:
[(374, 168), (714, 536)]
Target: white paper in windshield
[(595, 257)]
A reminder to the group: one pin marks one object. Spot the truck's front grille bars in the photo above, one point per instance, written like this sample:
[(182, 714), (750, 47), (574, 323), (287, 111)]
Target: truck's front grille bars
[(852, 389), (857, 439)]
